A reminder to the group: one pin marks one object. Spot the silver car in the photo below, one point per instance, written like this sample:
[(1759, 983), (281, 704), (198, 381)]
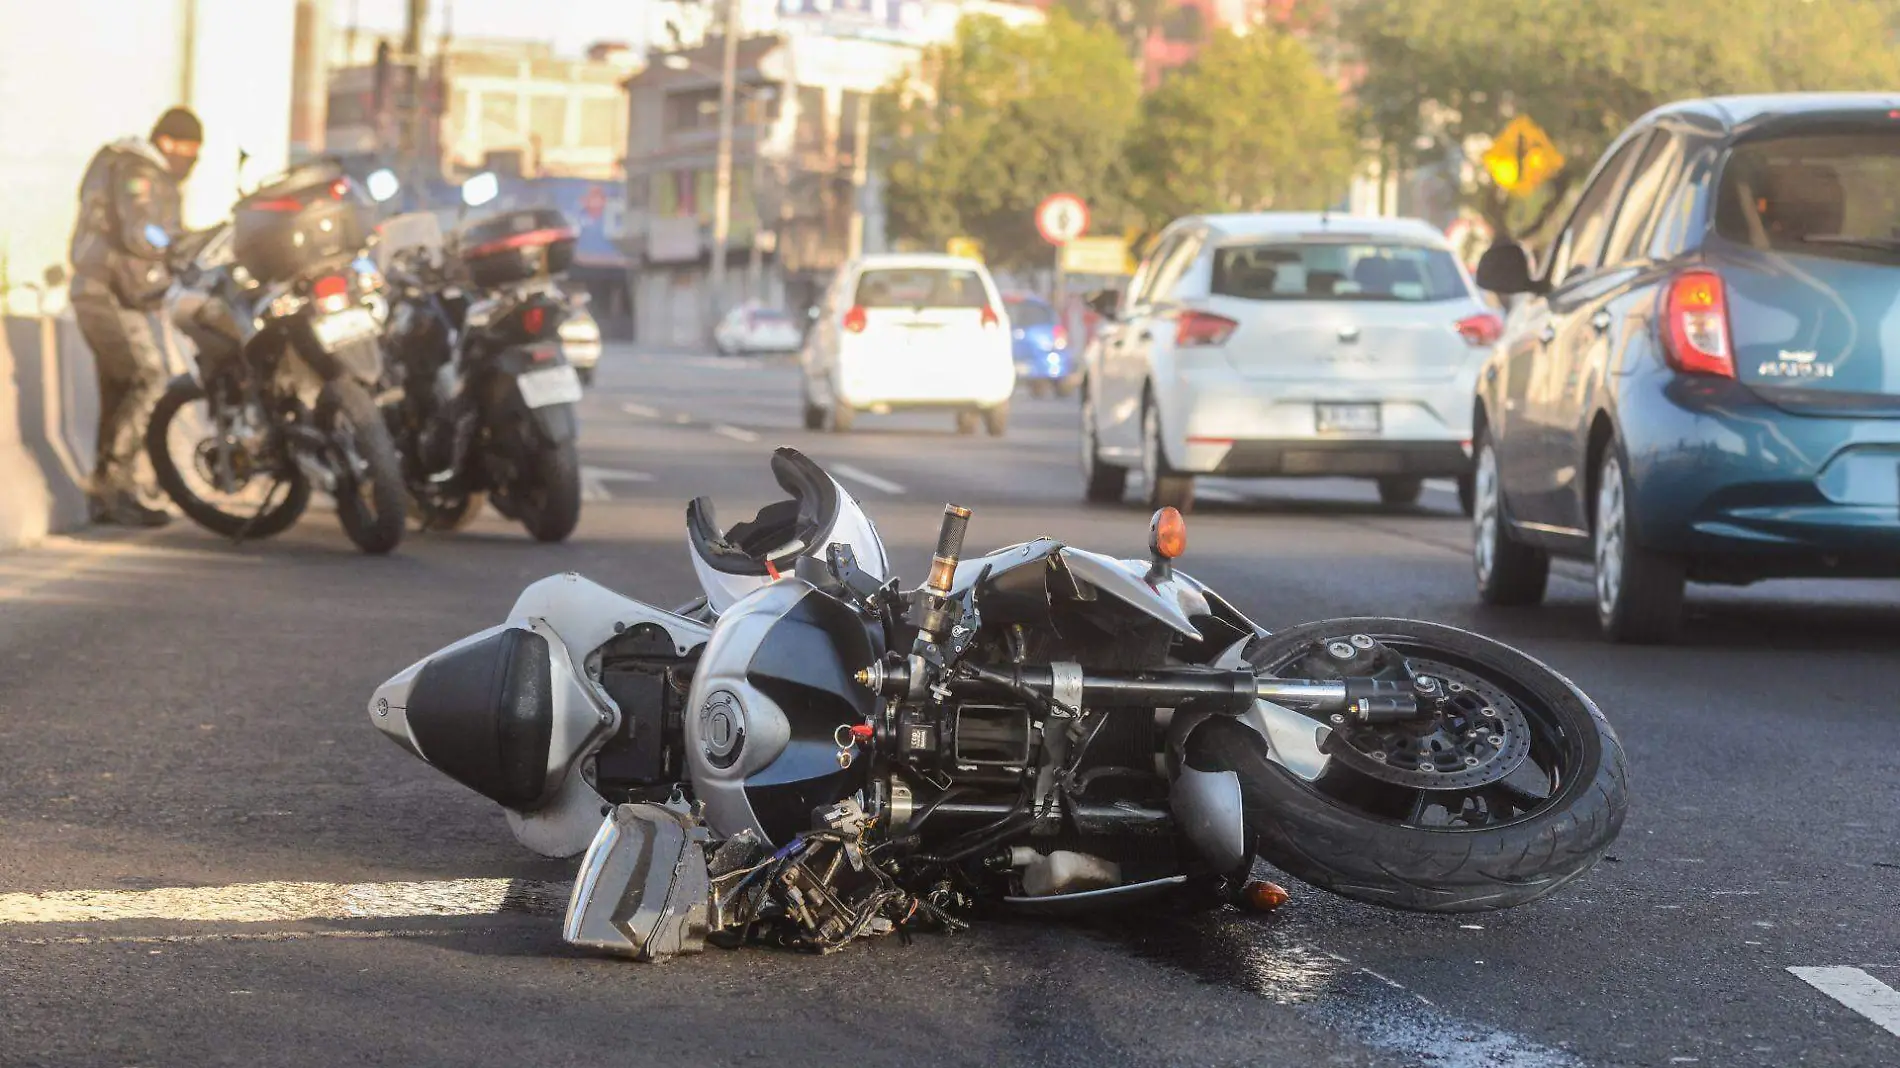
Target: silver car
[(1283, 344)]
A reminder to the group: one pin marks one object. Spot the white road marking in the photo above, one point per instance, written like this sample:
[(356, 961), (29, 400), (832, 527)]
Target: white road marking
[(640, 410), (284, 902), (736, 433), (682, 419), (594, 481), (884, 485), (1216, 493), (1443, 485), (1857, 990)]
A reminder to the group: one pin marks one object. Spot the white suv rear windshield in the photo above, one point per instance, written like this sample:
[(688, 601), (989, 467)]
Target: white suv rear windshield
[(1336, 270), (921, 287), (1834, 195)]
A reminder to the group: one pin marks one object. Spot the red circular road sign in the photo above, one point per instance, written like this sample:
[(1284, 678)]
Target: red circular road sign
[(1062, 218)]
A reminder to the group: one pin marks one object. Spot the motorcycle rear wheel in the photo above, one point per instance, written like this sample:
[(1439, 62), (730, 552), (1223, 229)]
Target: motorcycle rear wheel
[(1376, 842), (172, 423)]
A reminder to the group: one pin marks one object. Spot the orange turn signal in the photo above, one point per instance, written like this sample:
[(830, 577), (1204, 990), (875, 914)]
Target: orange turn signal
[(1167, 534), (1263, 896)]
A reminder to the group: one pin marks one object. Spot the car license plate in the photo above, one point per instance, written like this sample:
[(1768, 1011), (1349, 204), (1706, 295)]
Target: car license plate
[(337, 330), (1346, 418), (555, 385)]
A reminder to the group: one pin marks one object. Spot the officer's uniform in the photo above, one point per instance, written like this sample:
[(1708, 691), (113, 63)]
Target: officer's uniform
[(119, 279)]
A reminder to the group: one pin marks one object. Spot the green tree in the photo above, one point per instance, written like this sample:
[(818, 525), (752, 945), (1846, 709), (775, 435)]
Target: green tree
[(1252, 124), (1442, 70), (1000, 119)]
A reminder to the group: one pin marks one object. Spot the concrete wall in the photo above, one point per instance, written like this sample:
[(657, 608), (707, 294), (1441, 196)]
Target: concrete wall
[(49, 414)]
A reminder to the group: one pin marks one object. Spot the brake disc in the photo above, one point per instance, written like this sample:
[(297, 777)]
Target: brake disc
[(1480, 737)]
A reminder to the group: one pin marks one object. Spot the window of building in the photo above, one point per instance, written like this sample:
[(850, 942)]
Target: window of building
[(599, 116), (547, 119), (501, 114)]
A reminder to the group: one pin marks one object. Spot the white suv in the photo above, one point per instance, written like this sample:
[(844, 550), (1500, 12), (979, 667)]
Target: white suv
[(1283, 344), (910, 331)]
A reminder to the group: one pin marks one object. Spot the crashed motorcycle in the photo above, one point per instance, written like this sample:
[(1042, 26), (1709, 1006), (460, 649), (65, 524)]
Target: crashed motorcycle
[(816, 754)]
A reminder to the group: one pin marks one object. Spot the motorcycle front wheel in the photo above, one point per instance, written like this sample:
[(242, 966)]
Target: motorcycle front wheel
[(371, 501), (1516, 789), (549, 499), (182, 442)]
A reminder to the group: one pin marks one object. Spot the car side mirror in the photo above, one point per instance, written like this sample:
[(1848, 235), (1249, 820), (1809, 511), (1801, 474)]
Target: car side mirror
[(1505, 269), (1104, 302)]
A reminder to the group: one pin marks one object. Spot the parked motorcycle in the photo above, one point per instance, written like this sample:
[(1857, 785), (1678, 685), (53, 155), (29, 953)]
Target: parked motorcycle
[(484, 401), (826, 755), (283, 309)]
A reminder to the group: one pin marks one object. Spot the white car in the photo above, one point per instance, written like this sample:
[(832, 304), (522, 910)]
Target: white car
[(753, 328), (1283, 344), (580, 342), (910, 331)]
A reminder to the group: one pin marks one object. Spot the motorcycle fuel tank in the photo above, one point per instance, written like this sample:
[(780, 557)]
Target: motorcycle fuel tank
[(762, 723)]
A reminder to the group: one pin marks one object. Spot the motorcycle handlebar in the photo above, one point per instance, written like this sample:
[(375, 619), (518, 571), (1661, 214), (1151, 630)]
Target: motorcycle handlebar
[(943, 565)]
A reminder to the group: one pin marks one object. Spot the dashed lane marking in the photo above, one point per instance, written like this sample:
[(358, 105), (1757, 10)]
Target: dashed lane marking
[(1216, 493), (736, 433), (1857, 990), (883, 485), (594, 481), (640, 410)]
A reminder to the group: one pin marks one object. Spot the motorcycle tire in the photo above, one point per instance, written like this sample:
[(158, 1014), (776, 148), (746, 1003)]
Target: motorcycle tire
[(269, 523), (1325, 840), (373, 516), (552, 509)]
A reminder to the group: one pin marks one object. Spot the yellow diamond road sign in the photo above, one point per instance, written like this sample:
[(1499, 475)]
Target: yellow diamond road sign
[(1522, 158)]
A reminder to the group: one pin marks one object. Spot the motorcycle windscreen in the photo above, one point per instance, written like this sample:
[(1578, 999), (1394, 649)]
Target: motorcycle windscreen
[(483, 714)]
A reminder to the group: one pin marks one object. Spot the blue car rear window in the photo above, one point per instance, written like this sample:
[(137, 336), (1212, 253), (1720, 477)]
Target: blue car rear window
[(1834, 195), (1029, 313)]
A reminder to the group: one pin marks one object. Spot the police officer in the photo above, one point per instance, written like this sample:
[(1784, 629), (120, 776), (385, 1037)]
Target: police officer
[(128, 215)]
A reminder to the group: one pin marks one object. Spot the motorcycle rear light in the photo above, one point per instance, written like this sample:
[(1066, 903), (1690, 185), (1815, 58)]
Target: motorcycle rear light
[(533, 319), (1481, 330), (855, 320), (989, 317), (1199, 329), (1695, 325), (332, 293)]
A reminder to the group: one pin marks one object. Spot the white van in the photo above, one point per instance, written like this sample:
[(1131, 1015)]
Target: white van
[(910, 331)]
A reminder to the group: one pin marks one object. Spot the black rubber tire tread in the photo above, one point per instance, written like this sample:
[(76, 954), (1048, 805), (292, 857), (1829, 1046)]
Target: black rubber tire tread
[(1400, 489), (585, 374), (558, 470), (1101, 483), (1172, 491), (281, 517), (996, 420), (379, 533), (968, 419), (1040, 388), (1336, 848), (1649, 606), (1520, 573), (1467, 494), (814, 416)]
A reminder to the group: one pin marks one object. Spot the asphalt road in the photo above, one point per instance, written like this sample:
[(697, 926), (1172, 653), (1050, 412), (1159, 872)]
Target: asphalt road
[(176, 712)]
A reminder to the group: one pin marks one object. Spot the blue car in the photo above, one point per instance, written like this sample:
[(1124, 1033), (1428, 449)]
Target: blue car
[(1043, 359), (1701, 380)]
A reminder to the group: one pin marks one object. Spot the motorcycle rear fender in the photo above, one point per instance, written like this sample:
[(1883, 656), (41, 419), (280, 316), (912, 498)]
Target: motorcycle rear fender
[(556, 422), (534, 772)]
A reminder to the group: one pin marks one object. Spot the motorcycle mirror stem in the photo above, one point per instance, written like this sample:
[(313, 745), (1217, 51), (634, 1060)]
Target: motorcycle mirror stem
[(937, 605)]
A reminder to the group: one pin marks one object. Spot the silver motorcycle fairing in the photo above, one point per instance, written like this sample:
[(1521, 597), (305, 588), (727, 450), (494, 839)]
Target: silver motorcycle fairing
[(743, 742), (1173, 601), (575, 617)]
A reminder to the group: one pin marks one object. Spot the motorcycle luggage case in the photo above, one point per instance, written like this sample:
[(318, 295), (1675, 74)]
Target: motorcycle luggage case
[(517, 246), (308, 216)]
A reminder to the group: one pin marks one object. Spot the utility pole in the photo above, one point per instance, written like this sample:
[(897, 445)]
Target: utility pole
[(755, 265), (722, 181), (860, 174), (412, 98)]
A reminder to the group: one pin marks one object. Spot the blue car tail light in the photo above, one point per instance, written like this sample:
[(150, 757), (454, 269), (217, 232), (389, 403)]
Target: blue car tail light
[(1695, 325)]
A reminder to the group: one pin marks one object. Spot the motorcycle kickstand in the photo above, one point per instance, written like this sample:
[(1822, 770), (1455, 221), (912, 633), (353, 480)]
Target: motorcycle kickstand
[(245, 530)]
